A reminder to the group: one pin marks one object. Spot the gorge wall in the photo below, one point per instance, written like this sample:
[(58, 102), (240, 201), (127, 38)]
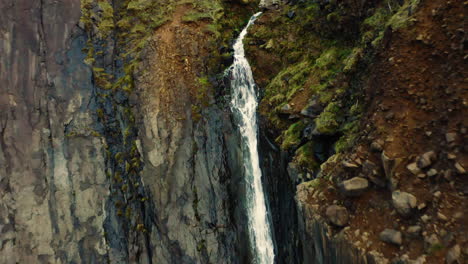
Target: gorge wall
[(95, 175)]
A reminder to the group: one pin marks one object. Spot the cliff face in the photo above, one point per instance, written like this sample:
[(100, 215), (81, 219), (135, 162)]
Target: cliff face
[(89, 175), (117, 145), (52, 188), (185, 156)]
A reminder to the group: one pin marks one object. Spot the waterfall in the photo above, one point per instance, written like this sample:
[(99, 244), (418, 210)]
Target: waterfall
[(244, 105)]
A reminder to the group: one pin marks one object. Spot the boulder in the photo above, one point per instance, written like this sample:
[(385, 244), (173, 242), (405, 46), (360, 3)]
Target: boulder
[(391, 236), (354, 187), (338, 215), (404, 203)]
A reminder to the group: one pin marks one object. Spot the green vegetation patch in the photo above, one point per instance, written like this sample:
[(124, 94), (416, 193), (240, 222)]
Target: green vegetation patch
[(292, 136)]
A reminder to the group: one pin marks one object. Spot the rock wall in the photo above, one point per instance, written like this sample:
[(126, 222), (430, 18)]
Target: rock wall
[(52, 186), (79, 183), (280, 191)]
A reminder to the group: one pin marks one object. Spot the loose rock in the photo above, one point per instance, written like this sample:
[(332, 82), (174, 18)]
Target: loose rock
[(432, 173), (441, 216), (450, 137), (453, 255), (404, 203), (460, 168), (354, 187), (414, 231), (426, 159), (338, 215), (391, 236), (413, 168)]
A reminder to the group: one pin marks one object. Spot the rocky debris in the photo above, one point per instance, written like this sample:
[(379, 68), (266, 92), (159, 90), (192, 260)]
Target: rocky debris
[(426, 159), (338, 215), (404, 202), (413, 168), (414, 231), (451, 137), (460, 168), (354, 187), (453, 255), (377, 145), (391, 236)]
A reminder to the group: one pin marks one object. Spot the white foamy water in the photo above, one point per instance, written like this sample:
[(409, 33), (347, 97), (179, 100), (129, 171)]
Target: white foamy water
[(244, 105)]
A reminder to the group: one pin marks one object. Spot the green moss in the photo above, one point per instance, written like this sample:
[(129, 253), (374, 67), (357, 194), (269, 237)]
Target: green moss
[(327, 122), (378, 20), (315, 184), (292, 136), (402, 18), (350, 63), (305, 156)]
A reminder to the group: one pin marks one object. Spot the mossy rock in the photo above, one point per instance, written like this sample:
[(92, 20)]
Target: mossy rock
[(292, 136), (328, 121), (305, 157)]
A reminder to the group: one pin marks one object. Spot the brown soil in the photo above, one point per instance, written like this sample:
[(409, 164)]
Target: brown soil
[(420, 80), (176, 48)]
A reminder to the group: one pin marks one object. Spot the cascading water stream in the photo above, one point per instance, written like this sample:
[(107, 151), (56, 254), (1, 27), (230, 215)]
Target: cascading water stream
[(244, 105)]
